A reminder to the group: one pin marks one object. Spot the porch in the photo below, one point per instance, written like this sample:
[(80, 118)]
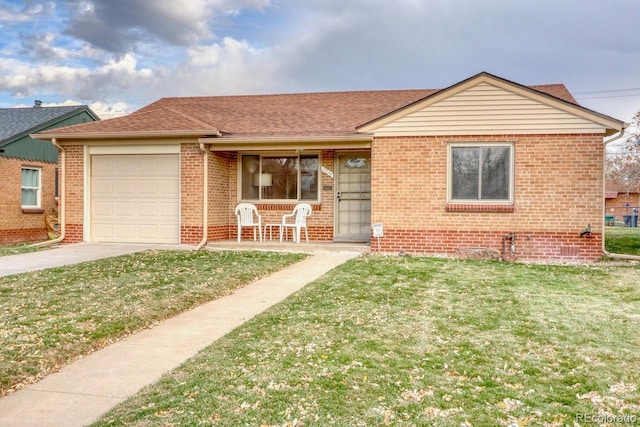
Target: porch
[(288, 246)]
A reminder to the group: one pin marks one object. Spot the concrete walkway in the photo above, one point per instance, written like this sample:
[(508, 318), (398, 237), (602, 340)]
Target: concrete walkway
[(84, 390)]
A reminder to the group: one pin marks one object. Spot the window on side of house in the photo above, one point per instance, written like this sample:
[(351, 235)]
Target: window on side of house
[(31, 188), (279, 177), (481, 173)]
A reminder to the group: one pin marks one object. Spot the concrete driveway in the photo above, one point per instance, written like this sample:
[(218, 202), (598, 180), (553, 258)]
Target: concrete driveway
[(71, 254)]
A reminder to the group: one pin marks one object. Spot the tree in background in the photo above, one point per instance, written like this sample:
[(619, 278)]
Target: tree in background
[(622, 165)]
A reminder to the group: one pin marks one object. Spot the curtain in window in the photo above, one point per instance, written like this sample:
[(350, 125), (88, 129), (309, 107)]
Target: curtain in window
[(250, 170), (30, 186)]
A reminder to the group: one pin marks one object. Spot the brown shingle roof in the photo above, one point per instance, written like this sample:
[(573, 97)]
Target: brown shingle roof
[(302, 114), (558, 90), (166, 119), (333, 113)]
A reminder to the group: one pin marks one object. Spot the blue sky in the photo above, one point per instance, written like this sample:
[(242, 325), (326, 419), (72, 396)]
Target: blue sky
[(119, 55)]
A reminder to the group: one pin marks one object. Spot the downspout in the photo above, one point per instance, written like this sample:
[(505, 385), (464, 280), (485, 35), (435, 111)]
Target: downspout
[(205, 197), (604, 251), (61, 210)]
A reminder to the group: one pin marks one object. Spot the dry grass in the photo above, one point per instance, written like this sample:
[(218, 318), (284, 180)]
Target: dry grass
[(50, 317), (20, 248), (419, 341)]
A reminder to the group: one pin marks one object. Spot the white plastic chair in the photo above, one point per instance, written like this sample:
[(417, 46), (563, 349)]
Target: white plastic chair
[(247, 214), (299, 214)]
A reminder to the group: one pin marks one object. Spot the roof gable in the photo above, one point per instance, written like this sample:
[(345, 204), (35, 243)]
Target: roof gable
[(486, 105), (16, 125), (16, 122)]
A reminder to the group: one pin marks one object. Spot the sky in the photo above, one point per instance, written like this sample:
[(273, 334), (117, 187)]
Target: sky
[(119, 55)]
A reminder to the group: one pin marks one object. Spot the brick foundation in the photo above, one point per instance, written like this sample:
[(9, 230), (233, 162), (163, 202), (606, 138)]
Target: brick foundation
[(23, 235), (529, 246), (73, 233), (316, 234)]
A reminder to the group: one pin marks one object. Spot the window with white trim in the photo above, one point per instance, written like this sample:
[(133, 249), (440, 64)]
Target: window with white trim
[(279, 177), (31, 188), (481, 173)]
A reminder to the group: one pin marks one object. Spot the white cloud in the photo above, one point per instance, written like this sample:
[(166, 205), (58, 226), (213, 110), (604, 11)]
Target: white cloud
[(229, 52), (23, 79), (67, 103), (233, 7), (231, 66), (102, 109), (109, 111), (122, 66), (13, 15)]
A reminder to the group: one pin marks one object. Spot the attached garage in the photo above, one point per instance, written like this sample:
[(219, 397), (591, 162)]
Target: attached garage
[(135, 198)]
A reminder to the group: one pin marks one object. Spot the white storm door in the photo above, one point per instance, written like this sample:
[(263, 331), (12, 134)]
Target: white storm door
[(353, 197)]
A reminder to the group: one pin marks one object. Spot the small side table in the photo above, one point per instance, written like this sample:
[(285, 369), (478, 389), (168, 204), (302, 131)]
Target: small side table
[(270, 226)]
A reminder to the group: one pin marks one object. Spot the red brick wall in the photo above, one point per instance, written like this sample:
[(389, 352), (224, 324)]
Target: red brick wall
[(74, 193), (16, 225), (219, 196), (191, 193), (558, 191)]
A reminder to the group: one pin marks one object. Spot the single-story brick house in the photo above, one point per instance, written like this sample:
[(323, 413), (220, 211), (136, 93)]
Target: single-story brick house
[(485, 163), (28, 168)]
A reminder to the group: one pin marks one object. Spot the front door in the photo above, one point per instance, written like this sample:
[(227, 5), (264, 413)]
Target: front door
[(353, 196)]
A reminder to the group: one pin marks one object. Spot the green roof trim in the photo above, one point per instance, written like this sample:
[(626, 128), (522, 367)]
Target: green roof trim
[(17, 124)]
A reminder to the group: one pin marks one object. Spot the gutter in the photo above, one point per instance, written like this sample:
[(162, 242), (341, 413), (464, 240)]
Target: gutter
[(61, 210), (233, 143), (205, 197), (100, 136), (604, 251)]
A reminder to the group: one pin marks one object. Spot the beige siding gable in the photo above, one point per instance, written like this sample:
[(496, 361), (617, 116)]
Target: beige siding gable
[(487, 108)]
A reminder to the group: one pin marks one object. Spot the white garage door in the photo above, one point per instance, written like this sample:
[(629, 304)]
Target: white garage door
[(135, 198)]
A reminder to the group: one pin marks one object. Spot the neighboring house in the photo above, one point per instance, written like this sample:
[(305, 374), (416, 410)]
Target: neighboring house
[(486, 163), (620, 200), (28, 168)]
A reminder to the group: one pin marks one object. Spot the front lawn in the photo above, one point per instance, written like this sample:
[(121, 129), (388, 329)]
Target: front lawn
[(50, 317), (420, 341), (20, 248)]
